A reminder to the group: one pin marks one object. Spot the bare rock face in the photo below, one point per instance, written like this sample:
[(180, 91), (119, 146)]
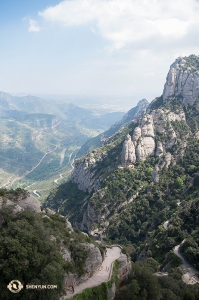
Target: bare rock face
[(159, 151), (83, 177), (29, 203), (149, 145), (197, 135), (90, 216), (128, 151), (22, 202), (140, 150), (142, 143), (69, 226), (136, 135), (124, 268), (94, 260), (92, 264), (182, 81), (147, 125), (164, 162), (49, 211), (66, 254)]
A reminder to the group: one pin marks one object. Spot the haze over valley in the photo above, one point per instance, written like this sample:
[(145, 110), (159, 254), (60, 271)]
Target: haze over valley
[(40, 138)]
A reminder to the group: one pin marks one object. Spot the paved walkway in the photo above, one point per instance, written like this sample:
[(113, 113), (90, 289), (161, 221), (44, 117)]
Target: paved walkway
[(101, 276)]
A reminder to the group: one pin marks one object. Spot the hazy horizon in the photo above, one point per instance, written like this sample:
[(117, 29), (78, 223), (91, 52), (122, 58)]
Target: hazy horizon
[(94, 48)]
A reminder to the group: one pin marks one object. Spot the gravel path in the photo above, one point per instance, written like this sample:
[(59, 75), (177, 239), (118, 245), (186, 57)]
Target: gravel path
[(101, 276)]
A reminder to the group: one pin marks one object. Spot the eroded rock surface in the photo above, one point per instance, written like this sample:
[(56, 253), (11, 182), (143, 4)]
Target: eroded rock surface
[(91, 265), (128, 151), (182, 81)]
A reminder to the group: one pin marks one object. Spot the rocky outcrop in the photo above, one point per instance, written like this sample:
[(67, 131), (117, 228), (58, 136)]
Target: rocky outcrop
[(144, 138), (94, 259), (124, 268), (182, 81), (142, 143), (91, 265), (66, 254), (90, 216), (21, 202), (84, 177), (164, 162), (6, 203), (159, 150), (128, 151), (29, 203)]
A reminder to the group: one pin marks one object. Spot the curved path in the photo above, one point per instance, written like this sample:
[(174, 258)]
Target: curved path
[(190, 269), (99, 277), (8, 182)]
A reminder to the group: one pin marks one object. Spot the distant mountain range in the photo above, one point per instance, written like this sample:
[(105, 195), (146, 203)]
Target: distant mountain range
[(39, 139)]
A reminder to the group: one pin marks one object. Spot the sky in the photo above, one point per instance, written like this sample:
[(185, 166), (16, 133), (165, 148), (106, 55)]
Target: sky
[(99, 48)]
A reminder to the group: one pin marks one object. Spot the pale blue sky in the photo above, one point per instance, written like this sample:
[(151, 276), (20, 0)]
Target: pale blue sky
[(94, 47)]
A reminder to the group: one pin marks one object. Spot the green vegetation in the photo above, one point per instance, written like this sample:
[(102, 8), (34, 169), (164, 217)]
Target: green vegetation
[(100, 292), (157, 102), (30, 251), (192, 61), (32, 142), (142, 284), (134, 206)]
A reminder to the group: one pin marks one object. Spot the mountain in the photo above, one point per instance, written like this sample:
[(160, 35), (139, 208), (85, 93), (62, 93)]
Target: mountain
[(39, 139), (140, 189), (101, 138), (41, 248)]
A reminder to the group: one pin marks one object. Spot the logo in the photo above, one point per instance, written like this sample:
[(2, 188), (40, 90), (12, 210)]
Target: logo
[(15, 286)]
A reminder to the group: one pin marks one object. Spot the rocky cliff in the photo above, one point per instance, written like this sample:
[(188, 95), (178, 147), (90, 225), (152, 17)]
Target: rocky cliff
[(103, 138), (155, 136), (182, 81), (127, 166)]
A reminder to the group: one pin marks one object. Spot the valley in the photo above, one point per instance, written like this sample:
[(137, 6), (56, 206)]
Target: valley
[(37, 147), (139, 187), (130, 191)]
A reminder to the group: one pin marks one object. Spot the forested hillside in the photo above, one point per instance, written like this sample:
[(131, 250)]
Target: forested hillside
[(141, 189)]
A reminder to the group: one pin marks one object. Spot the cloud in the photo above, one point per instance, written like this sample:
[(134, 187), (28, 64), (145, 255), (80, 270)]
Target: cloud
[(33, 26), (128, 21)]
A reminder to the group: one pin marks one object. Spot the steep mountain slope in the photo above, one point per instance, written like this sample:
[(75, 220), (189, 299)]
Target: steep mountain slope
[(41, 250), (144, 175), (100, 139)]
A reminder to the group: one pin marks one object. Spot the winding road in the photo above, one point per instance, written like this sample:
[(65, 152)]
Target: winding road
[(190, 269), (99, 277), (9, 182)]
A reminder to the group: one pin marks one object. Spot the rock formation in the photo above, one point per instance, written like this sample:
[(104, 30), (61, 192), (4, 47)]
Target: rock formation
[(21, 202), (128, 151), (91, 265), (182, 81), (144, 139), (83, 176)]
